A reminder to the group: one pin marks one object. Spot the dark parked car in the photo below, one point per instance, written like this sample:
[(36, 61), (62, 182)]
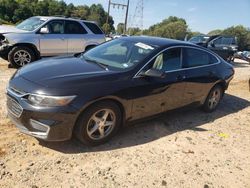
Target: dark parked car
[(224, 46), (120, 81)]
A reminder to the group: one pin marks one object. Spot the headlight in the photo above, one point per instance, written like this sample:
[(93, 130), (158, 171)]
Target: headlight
[(49, 101)]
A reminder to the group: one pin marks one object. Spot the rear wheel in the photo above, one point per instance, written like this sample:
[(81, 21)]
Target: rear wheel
[(20, 56), (213, 99), (98, 123)]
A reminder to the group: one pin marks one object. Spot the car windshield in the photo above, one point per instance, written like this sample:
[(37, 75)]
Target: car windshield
[(197, 39), (119, 53), (30, 24)]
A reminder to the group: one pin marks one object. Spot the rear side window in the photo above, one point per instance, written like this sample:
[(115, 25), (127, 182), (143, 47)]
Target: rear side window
[(195, 57), (72, 27), (93, 27)]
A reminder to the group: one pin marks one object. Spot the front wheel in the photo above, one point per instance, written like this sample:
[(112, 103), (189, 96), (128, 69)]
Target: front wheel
[(213, 99), (98, 123), (20, 56)]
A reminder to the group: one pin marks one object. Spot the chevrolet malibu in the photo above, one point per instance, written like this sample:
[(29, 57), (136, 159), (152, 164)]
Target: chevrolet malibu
[(90, 96)]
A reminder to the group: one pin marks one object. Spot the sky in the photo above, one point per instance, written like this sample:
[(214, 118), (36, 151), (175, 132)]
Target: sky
[(200, 15)]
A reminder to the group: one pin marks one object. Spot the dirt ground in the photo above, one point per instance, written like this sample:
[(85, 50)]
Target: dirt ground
[(180, 149)]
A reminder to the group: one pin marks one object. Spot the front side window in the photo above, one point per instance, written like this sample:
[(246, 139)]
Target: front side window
[(55, 27), (169, 60), (119, 53), (195, 57), (72, 27)]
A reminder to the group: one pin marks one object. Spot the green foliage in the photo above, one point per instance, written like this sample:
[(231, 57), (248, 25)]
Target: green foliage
[(215, 32), (134, 31), (120, 28), (172, 27), (15, 11)]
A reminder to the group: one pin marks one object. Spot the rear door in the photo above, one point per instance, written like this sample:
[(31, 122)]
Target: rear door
[(54, 42), (76, 36), (201, 73)]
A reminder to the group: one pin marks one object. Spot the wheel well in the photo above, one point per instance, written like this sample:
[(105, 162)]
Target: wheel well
[(31, 46), (89, 47), (223, 85), (119, 104)]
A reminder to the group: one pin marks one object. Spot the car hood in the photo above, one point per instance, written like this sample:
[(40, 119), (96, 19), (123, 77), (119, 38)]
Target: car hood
[(61, 72), (9, 29)]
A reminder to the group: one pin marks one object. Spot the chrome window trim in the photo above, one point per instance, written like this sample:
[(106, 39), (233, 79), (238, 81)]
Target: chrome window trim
[(181, 46)]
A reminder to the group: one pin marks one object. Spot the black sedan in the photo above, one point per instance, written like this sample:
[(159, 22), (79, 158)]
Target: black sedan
[(91, 96)]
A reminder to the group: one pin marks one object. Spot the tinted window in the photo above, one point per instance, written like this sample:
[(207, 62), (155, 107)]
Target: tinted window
[(194, 58), (168, 60), (72, 27), (56, 27), (93, 27), (225, 41)]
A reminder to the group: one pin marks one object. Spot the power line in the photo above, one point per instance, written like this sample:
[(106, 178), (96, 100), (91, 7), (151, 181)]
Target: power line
[(118, 5), (138, 15)]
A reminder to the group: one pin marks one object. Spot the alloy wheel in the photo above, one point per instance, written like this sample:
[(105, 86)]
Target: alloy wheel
[(101, 124), (214, 98), (22, 57)]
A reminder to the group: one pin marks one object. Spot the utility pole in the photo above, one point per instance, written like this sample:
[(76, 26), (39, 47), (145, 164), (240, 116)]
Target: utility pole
[(107, 20), (126, 18), (118, 5)]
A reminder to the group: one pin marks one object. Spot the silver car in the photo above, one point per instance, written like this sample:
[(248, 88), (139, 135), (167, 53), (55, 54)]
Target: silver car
[(42, 36)]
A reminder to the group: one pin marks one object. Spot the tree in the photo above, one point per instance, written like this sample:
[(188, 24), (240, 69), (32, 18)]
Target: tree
[(15, 11), (172, 27), (242, 34), (134, 31), (120, 28), (215, 32)]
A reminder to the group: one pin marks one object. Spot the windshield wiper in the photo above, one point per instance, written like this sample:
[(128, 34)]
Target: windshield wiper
[(102, 65)]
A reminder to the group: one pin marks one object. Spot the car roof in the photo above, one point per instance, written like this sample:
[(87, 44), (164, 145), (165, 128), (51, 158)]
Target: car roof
[(63, 18), (157, 41)]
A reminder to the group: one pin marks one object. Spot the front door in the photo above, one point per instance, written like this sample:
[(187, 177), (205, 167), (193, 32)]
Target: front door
[(155, 95), (54, 42)]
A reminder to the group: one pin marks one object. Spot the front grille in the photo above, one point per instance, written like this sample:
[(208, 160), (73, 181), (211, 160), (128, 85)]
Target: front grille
[(13, 107)]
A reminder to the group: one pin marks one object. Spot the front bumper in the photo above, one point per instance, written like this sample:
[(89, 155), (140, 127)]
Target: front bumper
[(50, 124)]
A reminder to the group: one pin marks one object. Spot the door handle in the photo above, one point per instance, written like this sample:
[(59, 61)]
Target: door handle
[(181, 77)]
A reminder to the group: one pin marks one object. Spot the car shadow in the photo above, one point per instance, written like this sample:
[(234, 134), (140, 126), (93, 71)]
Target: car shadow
[(156, 128)]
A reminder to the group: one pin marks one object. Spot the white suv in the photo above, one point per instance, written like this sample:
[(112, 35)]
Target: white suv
[(42, 36)]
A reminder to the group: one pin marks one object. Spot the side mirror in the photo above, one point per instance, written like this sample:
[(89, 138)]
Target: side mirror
[(44, 30), (212, 44), (153, 73)]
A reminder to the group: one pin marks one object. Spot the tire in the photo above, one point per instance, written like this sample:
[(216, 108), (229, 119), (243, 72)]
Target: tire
[(213, 99), (92, 128), (20, 56)]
